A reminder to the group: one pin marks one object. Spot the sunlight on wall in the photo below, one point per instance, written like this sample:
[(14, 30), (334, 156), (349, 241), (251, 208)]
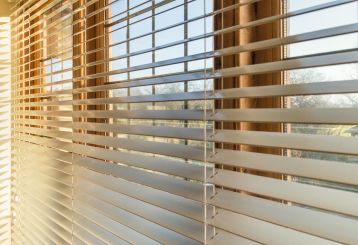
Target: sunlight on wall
[(5, 169)]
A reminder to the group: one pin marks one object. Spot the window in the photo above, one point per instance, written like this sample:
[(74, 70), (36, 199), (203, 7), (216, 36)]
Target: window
[(335, 74), (184, 122)]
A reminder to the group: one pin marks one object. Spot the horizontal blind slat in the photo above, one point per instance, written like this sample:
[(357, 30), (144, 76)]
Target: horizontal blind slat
[(315, 196), (314, 222), (262, 231)]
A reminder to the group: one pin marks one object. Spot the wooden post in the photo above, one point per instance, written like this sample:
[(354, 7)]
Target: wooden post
[(244, 14)]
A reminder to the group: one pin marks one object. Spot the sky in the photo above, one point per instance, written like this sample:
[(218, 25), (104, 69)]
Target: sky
[(344, 14), (332, 17)]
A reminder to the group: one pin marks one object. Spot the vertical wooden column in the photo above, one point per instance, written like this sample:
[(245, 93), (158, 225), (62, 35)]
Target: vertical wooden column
[(78, 52), (89, 46), (31, 64), (221, 21), (95, 51), (35, 63), (263, 32), (244, 14)]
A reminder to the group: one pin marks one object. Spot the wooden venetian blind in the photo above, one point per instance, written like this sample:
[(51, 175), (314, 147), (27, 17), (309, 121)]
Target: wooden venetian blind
[(178, 122)]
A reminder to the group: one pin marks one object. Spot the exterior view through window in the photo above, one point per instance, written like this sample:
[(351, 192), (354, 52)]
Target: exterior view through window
[(344, 15)]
